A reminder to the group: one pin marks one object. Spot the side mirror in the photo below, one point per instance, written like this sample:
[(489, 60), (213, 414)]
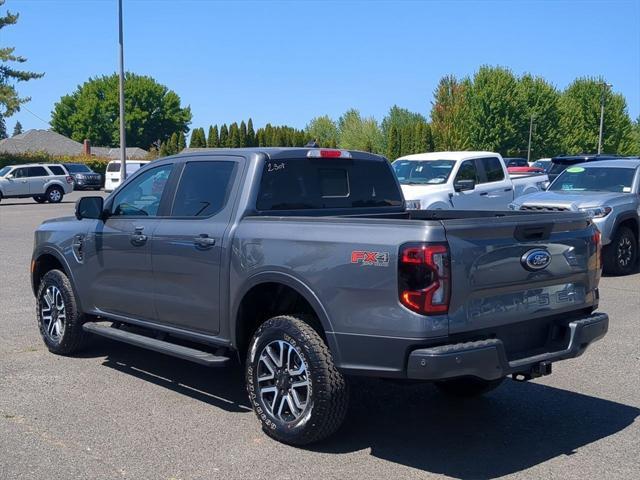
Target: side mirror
[(90, 207), (9, 177), (464, 185)]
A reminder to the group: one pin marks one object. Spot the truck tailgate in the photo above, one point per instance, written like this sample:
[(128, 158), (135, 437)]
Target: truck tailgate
[(492, 284)]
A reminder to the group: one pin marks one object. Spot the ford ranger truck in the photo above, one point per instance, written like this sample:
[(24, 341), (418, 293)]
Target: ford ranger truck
[(304, 265)]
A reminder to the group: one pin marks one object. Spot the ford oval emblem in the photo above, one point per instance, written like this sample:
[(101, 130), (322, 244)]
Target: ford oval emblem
[(536, 259)]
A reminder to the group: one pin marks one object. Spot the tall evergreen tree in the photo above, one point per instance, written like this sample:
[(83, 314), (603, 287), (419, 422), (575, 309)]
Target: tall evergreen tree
[(224, 135), (234, 135), (393, 143), (449, 122), (164, 150), (172, 148), (17, 130), (213, 140), (243, 134), (3, 128), (182, 143), (9, 99), (251, 134)]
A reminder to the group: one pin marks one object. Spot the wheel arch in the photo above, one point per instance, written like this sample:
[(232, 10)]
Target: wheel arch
[(629, 220), (48, 259), (269, 294)]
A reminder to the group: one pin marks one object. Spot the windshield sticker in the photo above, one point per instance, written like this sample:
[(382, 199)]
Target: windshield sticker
[(626, 189), (378, 259), (575, 170)]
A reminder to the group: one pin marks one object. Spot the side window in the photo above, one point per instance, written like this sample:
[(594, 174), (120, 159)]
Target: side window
[(468, 171), (57, 170), (20, 173), (142, 195), (38, 172), (492, 169), (203, 189)]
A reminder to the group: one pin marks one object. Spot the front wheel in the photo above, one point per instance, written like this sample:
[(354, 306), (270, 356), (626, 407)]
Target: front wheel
[(468, 386), (294, 387), (621, 255), (59, 320), (54, 194)]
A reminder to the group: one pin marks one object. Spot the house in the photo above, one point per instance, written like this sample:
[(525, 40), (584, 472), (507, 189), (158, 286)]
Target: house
[(52, 143)]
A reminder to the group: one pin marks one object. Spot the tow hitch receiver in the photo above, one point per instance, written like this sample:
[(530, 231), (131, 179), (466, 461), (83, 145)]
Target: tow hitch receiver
[(538, 370)]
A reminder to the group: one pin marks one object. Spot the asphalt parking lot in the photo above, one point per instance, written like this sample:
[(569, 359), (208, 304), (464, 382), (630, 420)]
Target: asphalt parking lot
[(120, 412)]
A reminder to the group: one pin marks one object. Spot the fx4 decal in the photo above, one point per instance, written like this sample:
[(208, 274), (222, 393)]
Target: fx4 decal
[(379, 259)]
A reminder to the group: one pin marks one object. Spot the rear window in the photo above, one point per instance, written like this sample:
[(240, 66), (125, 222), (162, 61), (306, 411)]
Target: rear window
[(57, 170), (113, 167), (297, 184)]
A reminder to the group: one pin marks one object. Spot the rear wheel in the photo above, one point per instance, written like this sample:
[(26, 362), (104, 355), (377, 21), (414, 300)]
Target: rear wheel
[(294, 387), (468, 386), (39, 198), (54, 194), (59, 320), (621, 255)]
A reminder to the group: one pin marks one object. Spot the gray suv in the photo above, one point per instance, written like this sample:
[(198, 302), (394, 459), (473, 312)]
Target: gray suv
[(609, 192), (305, 265)]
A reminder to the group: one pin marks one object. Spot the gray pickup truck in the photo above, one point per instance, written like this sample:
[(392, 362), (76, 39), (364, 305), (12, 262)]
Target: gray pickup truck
[(305, 266)]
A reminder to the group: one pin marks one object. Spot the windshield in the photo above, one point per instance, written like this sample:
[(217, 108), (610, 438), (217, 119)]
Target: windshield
[(595, 179), (431, 172), (4, 171), (544, 165), (77, 168)]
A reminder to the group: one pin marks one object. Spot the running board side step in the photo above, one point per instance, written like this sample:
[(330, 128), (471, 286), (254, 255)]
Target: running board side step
[(180, 351)]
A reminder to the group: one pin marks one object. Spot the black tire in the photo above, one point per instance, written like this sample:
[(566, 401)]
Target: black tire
[(72, 337), (39, 198), (621, 255), (327, 395), (54, 194), (466, 387)]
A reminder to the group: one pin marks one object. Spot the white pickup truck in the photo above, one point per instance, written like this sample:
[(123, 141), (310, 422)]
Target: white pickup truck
[(461, 181)]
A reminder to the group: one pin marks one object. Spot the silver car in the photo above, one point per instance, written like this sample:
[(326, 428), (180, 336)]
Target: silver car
[(43, 182), (609, 191)]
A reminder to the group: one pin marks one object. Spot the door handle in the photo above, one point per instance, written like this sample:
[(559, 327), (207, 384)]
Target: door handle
[(138, 238), (204, 241), (507, 189), (484, 194)]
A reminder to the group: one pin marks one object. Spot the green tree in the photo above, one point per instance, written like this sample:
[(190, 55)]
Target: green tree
[(393, 149), (243, 134), (172, 147), (403, 121), (198, 139), (164, 150), (634, 148), (580, 118), (234, 135), (10, 101), (224, 135), (323, 130), (448, 115), (496, 111), (251, 134), (541, 101), (357, 133), (422, 140), (152, 112), (17, 130), (213, 140), (182, 143)]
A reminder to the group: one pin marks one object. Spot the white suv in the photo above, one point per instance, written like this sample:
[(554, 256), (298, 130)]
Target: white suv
[(43, 182)]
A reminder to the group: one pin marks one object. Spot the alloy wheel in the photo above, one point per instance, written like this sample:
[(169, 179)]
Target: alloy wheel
[(54, 314)]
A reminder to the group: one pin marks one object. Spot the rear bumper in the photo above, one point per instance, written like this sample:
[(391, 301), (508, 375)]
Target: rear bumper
[(486, 359)]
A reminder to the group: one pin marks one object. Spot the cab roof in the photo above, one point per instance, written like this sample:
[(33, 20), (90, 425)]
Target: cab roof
[(448, 155)]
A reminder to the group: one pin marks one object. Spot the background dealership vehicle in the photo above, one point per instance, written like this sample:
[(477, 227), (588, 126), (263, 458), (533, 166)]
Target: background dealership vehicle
[(112, 174), (559, 163), (462, 180), (45, 182), (83, 177), (609, 191), (543, 163), (305, 263)]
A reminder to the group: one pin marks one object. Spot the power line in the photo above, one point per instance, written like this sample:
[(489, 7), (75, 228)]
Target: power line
[(38, 117)]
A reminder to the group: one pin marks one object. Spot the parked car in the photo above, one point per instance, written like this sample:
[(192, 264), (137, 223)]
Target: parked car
[(543, 163), (44, 182), (462, 181), (609, 191), (515, 162), (305, 262), (112, 174), (561, 162), (83, 177)]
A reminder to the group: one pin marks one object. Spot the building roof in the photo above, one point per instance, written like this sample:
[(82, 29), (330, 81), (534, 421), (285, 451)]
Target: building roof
[(48, 141)]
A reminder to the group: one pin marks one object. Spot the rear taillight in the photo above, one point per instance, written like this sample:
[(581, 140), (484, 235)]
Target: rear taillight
[(69, 179), (328, 153), (424, 280), (597, 240)]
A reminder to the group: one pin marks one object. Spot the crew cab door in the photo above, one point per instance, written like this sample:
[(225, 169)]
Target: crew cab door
[(118, 263), (189, 245), (18, 184), (467, 199), (496, 189)]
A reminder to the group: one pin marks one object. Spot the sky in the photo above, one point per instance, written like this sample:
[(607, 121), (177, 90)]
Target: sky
[(286, 62)]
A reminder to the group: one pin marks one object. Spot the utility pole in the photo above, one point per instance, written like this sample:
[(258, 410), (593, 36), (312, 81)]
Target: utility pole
[(123, 140), (530, 135), (602, 99)]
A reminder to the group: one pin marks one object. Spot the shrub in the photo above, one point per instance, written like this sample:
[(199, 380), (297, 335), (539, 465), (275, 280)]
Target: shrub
[(97, 164)]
